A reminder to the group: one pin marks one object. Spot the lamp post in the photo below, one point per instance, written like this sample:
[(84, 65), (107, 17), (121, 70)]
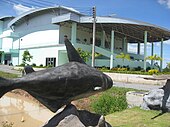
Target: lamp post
[(94, 32)]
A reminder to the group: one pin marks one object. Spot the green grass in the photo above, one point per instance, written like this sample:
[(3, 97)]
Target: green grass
[(8, 75), (136, 117)]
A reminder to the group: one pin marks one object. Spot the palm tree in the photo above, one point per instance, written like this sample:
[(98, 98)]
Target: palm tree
[(154, 58), (123, 56)]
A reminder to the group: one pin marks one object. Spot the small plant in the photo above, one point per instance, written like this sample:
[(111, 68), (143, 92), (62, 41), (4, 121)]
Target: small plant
[(26, 57), (7, 124)]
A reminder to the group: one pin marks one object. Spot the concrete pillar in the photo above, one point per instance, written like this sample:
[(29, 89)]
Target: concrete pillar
[(1, 31), (112, 49), (152, 50), (74, 32), (103, 39), (138, 48), (145, 49), (161, 62), (124, 45)]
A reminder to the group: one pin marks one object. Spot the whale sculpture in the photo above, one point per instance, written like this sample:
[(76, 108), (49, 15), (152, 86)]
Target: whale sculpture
[(56, 87)]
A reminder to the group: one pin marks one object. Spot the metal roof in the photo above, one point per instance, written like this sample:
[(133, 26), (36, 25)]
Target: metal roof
[(133, 29), (15, 20)]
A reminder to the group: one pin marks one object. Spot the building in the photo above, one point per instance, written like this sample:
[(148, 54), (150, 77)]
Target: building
[(41, 32)]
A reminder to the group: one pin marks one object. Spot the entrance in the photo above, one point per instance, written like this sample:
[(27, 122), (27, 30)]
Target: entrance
[(7, 59)]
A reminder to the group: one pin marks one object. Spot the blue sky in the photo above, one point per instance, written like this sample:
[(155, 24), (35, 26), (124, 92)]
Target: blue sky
[(152, 11)]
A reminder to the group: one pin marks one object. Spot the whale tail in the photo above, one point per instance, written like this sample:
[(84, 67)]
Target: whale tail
[(5, 86)]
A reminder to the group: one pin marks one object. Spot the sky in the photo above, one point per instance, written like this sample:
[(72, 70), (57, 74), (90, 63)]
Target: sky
[(152, 11)]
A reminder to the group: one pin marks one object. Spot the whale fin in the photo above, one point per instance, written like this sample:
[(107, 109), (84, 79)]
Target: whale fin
[(52, 105), (72, 54), (28, 69)]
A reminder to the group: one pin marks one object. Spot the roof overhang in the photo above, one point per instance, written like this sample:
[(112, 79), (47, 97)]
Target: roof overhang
[(66, 17), (37, 10), (132, 29)]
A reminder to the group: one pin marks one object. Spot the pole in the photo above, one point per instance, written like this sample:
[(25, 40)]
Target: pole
[(94, 33)]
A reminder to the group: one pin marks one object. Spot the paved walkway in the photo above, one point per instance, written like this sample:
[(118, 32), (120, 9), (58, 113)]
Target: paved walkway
[(9, 69), (136, 86)]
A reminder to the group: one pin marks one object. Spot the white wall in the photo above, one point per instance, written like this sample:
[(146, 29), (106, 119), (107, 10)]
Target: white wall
[(40, 38), (40, 55), (6, 44)]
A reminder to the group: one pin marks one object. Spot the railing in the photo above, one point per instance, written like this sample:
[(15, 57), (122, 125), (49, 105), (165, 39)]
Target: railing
[(106, 52)]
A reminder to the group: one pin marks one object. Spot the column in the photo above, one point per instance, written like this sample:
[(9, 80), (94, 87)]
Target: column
[(103, 39), (112, 49), (138, 48), (73, 32), (1, 31), (152, 50), (145, 49), (161, 62), (124, 45)]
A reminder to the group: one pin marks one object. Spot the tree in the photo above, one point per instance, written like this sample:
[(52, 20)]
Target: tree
[(168, 65), (26, 57), (123, 56), (84, 54)]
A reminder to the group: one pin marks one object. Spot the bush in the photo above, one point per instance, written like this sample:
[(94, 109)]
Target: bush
[(153, 71), (148, 68), (41, 65), (110, 101), (122, 69), (33, 65)]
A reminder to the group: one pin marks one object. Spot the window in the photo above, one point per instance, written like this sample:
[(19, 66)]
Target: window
[(51, 61)]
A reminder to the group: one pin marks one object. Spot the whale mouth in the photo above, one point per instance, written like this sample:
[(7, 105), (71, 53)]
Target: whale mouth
[(97, 88)]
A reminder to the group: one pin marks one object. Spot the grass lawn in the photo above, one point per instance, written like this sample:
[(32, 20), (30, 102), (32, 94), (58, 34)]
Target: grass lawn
[(136, 117), (8, 75)]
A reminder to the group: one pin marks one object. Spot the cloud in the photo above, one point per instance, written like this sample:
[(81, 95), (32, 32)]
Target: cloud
[(167, 42), (165, 2), (19, 8)]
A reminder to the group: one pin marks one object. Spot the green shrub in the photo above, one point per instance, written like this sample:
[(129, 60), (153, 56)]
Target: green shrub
[(33, 65), (107, 104), (41, 65), (153, 71)]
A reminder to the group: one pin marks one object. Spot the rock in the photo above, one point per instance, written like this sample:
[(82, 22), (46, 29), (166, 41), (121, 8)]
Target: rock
[(71, 117), (134, 98), (154, 100), (22, 119)]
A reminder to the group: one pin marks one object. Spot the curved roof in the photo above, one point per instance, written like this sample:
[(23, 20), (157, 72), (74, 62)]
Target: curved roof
[(6, 17), (15, 20), (128, 27)]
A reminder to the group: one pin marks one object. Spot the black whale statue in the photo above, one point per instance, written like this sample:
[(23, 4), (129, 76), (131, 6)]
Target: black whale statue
[(56, 87)]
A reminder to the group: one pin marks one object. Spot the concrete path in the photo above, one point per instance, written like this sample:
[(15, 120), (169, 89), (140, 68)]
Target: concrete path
[(9, 69), (136, 86)]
